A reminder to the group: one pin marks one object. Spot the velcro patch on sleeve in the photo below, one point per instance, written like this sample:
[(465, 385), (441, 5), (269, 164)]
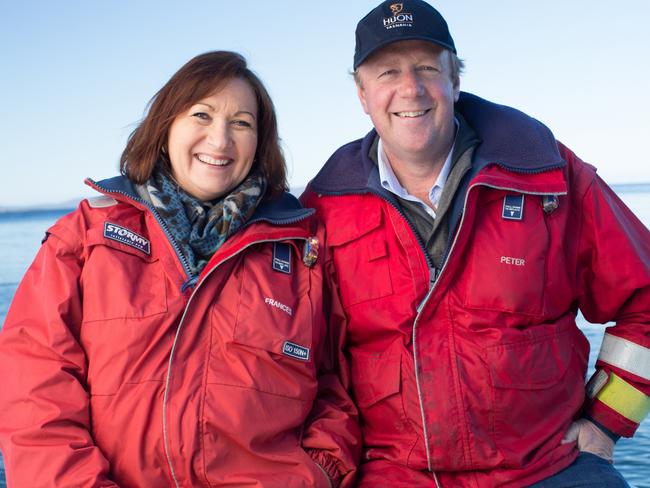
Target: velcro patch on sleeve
[(102, 201)]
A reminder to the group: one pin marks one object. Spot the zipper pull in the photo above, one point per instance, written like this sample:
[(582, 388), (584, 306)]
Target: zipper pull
[(189, 283)]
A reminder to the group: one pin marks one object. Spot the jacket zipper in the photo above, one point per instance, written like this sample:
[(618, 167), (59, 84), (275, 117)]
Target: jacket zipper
[(418, 310), (428, 295), (180, 324)]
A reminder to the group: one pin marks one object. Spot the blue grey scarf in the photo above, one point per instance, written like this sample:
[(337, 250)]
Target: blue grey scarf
[(200, 228)]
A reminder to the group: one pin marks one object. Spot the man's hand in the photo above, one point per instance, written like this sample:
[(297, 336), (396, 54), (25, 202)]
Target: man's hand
[(590, 438)]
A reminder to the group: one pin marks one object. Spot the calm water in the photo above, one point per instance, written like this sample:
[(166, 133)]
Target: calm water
[(21, 234)]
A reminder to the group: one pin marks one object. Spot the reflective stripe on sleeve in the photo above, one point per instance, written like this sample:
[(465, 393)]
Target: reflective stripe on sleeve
[(625, 399), (626, 355)]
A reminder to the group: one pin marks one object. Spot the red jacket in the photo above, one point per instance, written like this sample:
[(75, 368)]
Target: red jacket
[(477, 377), (117, 373)]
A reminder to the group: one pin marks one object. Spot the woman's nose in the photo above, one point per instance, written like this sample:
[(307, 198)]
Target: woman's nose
[(218, 135)]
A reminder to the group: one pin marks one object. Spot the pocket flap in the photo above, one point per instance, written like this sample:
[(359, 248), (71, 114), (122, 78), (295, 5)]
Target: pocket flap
[(376, 376), (533, 364), (354, 228), (137, 245)]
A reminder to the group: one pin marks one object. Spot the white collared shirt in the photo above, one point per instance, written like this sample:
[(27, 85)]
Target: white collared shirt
[(390, 182)]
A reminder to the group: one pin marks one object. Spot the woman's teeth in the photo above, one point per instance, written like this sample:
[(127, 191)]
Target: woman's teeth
[(209, 160)]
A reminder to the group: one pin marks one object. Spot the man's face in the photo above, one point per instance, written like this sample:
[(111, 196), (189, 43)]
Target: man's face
[(407, 90)]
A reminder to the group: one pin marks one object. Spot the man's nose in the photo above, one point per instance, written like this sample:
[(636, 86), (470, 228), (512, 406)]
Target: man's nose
[(411, 85)]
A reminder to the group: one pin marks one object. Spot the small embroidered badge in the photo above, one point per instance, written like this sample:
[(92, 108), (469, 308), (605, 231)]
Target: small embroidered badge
[(295, 351), (282, 257), (513, 207), (550, 203), (310, 251), (126, 236)]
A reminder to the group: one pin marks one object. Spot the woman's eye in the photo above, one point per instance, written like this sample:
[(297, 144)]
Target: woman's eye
[(242, 123), (201, 116)]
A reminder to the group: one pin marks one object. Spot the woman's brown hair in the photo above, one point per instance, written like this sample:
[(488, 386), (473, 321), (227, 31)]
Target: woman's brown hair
[(197, 79)]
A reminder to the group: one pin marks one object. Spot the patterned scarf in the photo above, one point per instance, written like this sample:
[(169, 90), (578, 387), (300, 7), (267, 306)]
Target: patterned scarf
[(200, 228)]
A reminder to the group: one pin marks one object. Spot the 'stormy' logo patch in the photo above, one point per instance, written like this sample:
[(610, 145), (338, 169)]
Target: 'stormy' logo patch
[(126, 236)]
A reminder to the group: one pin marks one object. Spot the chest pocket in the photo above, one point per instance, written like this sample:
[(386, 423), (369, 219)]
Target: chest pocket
[(274, 333), (362, 259), (274, 306), (507, 263), (120, 282)]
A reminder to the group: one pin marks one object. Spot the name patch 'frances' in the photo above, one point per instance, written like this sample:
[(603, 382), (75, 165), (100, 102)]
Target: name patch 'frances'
[(126, 236)]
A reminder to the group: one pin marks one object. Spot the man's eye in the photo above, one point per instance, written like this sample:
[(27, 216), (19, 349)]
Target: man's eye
[(388, 72), (427, 68)]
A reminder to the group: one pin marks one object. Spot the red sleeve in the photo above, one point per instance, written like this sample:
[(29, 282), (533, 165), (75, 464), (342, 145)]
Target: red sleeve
[(44, 426), (614, 285)]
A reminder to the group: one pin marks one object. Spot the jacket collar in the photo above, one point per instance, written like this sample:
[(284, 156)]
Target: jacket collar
[(509, 138), (283, 210)]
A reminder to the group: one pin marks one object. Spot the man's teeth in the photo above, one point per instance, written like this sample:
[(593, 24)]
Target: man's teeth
[(411, 114), (208, 160)]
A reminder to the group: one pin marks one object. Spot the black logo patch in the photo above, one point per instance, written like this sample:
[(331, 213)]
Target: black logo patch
[(126, 236), (295, 351), (282, 257), (513, 207)]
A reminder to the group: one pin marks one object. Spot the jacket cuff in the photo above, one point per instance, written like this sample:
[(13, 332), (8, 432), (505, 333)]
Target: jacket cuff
[(611, 420), (614, 404), (328, 463), (612, 435)]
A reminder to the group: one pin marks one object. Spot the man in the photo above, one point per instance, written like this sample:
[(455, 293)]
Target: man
[(465, 239)]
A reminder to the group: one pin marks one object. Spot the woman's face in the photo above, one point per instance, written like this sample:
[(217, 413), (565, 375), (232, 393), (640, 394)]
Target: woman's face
[(212, 145)]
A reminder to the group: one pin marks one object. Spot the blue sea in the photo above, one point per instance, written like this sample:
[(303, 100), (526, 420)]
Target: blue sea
[(21, 234)]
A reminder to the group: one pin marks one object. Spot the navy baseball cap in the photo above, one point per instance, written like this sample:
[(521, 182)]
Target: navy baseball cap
[(394, 21)]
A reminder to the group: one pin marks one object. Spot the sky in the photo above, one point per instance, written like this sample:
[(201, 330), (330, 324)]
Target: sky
[(77, 76)]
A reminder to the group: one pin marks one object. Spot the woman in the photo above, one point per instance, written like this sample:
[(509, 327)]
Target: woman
[(175, 330)]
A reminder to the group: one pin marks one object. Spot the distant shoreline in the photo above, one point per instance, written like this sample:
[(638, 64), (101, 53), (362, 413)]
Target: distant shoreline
[(9, 214), (64, 207), (630, 187)]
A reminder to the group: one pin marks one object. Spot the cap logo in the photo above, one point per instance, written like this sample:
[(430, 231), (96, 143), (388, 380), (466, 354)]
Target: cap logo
[(398, 19)]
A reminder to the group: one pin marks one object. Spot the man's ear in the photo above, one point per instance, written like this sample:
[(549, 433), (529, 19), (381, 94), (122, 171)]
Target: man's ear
[(456, 88), (362, 95)]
